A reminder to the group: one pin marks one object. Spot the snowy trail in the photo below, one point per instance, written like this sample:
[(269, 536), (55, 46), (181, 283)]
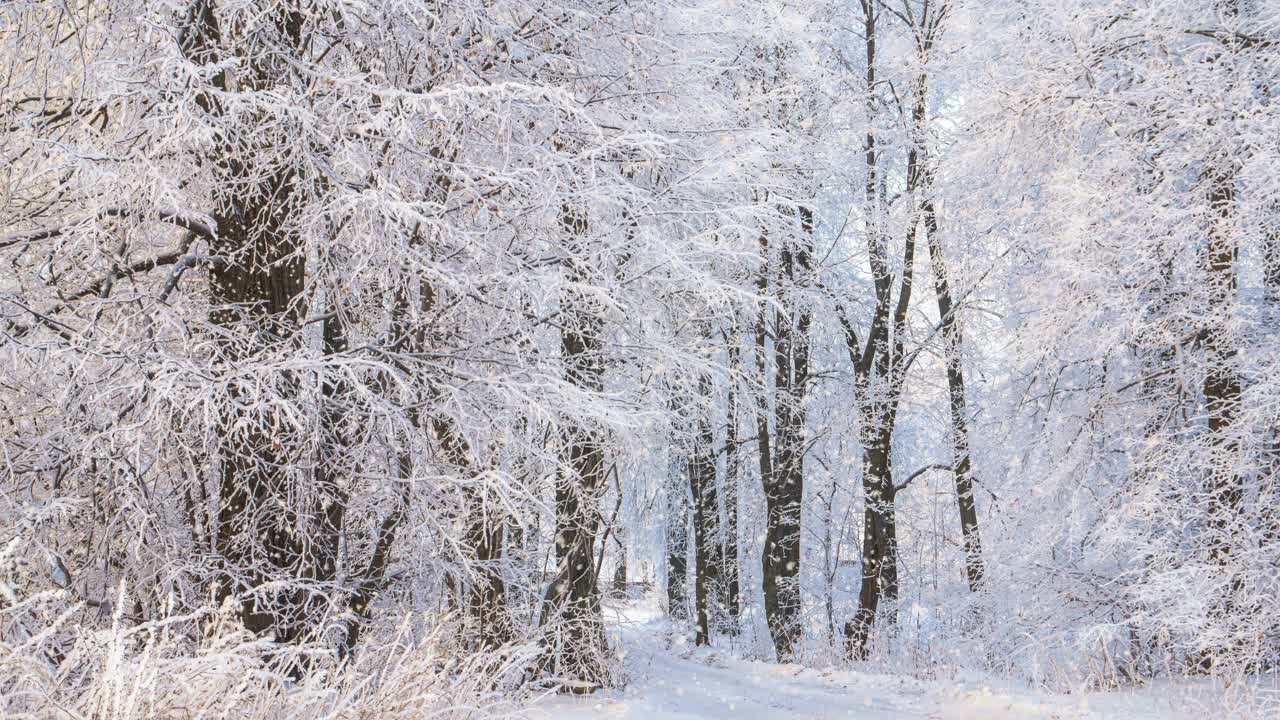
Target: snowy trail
[(678, 682)]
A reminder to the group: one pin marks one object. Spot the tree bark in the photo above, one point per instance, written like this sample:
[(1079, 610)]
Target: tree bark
[(952, 336), (872, 363), (880, 368), (1222, 385), (952, 339), (677, 538), (327, 513), (255, 303), (1269, 497), (764, 445), (733, 603), (880, 527), (784, 492), (483, 539), (572, 610), (706, 515)]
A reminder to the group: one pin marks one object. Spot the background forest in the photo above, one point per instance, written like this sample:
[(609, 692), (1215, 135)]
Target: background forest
[(355, 355)]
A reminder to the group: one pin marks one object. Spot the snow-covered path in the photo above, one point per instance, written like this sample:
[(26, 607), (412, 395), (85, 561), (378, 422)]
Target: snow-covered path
[(671, 681)]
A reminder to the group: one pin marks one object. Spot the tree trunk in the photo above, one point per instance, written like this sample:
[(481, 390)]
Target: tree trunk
[(486, 599), (1222, 389), (872, 364), (1269, 496), (255, 302), (572, 609), (763, 435), (370, 580), (952, 339), (619, 589), (677, 539), (706, 515), (1222, 385), (880, 368), (733, 603), (879, 528), (784, 492), (329, 501)]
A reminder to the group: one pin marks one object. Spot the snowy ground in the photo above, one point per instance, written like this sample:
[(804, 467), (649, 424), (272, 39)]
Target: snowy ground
[(670, 681)]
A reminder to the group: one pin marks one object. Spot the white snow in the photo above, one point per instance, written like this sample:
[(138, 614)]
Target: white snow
[(667, 679)]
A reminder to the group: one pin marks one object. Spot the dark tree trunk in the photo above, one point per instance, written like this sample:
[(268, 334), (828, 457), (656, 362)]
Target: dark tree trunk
[(327, 513), (764, 445), (778, 608), (733, 603), (330, 504), (880, 368), (1222, 385), (486, 599), (880, 372), (962, 467), (785, 490), (371, 579), (255, 298), (870, 364), (1269, 497), (879, 529), (572, 609), (706, 515), (1222, 388), (677, 540)]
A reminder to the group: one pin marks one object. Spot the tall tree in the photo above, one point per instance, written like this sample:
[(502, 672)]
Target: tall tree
[(1222, 385), (881, 363), (784, 489), (706, 514), (926, 29), (677, 534), (255, 297), (729, 532), (571, 612)]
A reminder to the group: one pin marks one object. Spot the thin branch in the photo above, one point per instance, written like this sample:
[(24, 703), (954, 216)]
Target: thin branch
[(1235, 39), (194, 222), (932, 466)]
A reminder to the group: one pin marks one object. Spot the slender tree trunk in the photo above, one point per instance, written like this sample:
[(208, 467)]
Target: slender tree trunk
[(677, 538), (620, 565), (879, 528), (828, 570), (1269, 497), (952, 339), (370, 580), (733, 603), (706, 512), (329, 502), (764, 445), (879, 378)]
